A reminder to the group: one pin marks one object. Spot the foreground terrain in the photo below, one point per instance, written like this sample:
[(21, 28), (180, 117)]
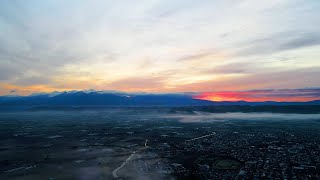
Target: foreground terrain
[(158, 143)]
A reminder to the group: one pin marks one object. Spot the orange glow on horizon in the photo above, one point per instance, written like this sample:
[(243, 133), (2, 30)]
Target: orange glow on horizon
[(250, 96), (27, 90)]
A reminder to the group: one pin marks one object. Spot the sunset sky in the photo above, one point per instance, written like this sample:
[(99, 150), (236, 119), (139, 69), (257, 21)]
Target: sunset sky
[(224, 50)]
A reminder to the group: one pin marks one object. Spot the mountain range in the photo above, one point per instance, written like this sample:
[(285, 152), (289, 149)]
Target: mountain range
[(112, 98)]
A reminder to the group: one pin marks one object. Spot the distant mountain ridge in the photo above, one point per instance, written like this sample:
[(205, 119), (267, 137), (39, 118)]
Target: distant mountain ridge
[(78, 98), (113, 98)]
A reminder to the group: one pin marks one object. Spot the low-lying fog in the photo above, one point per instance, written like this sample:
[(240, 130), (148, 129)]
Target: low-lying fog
[(141, 114), (207, 117)]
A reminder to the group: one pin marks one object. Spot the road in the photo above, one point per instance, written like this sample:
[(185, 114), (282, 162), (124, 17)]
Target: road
[(114, 172), (212, 134)]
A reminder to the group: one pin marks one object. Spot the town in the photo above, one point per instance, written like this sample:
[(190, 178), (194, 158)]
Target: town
[(156, 143)]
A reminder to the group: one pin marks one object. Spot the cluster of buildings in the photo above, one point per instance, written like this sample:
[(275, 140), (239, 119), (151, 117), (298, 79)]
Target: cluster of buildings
[(244, 154)]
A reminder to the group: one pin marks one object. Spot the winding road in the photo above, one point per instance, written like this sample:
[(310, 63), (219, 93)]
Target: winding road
[(114, 172)]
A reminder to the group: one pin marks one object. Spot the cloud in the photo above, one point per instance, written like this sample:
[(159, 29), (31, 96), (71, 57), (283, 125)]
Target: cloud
[(152, 84), (125, 44), (8, 72), (196, 56), (231, 68), (292, 79), (279, 42), (33, 80)]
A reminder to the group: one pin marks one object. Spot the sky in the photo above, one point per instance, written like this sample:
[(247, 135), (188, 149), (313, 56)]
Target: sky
[(211, 47)]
